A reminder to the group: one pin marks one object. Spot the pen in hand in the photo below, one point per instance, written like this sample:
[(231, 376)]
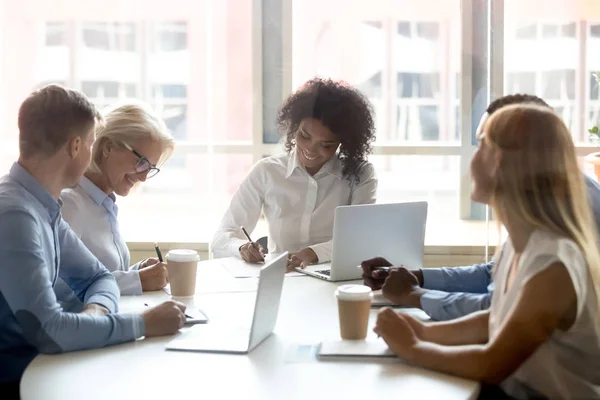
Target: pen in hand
[(187, 316), (250, 240), (382, 269), (158, 252)]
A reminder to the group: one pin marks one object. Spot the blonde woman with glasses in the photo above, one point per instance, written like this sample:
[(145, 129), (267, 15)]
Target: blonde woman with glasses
[(540, 338), (129, 146)]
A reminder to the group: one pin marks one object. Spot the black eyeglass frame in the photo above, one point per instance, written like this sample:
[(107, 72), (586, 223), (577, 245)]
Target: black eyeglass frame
[(150, 171)]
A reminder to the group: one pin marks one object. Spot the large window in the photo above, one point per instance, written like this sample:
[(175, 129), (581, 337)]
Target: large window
[(190, 60), (216, 69), (406, 57)]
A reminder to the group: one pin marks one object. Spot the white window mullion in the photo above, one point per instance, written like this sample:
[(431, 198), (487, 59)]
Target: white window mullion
[(75, 42), (581, 84), (209, 88), (257, 81), (466, 102)]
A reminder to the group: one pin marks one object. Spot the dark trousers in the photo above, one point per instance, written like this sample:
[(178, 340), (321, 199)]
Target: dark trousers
[(10, 391), (492, 392)]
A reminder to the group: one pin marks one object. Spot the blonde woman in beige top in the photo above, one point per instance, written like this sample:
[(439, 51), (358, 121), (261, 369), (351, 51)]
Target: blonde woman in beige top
[(541, 336)]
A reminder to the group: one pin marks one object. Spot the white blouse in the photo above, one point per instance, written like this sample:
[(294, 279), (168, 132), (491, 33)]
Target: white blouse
[(92, 214), (567, 365), (299, 208)]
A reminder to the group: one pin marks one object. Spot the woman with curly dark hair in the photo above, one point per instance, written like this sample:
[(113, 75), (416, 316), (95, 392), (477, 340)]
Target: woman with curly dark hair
[(327, 128)]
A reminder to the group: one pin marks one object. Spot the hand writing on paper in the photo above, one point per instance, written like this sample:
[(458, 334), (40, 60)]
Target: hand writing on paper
[(154, 277), (164, 319), (148, 262), (301, 259), (252, 254)]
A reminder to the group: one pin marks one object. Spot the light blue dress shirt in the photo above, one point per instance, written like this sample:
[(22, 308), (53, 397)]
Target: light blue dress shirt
[(458, 291), (92, 214), (36, 248)]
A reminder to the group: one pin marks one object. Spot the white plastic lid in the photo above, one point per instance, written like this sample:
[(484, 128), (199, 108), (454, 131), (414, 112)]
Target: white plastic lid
[(354, 292), (182, 255)]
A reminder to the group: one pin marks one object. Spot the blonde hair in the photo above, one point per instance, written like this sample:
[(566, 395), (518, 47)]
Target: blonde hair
[(128, 123), (538, 178)]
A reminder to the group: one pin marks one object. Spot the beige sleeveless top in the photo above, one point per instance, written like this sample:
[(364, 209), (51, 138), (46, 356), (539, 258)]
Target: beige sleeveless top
[(567, 365)]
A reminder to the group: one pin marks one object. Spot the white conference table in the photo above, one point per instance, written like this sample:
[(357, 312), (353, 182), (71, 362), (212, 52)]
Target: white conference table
[(282, 367)]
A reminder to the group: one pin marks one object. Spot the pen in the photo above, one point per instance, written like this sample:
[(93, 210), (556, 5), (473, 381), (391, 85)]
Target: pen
[(382, 269), (250, 240), (158, 253), (187, 316)]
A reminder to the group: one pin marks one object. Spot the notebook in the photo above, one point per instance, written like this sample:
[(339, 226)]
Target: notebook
[(240, 269), (195, 316), (355, 348)]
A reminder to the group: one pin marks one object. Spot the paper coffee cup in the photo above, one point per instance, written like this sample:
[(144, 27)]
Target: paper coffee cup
[(182, 266), (354, 307)]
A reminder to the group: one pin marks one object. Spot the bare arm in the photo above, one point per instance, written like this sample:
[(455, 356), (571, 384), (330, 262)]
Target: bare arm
[(470, 329), (547, 302)]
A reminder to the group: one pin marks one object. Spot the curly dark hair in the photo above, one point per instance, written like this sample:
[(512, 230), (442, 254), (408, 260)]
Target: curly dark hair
[(511, 99), (342, 109)]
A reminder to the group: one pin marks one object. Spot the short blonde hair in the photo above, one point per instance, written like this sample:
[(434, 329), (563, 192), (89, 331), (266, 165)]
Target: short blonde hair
[(128, 123)]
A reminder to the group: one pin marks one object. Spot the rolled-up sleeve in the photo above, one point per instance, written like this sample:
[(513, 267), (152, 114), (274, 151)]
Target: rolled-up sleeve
[(472, 279), (443, 306)]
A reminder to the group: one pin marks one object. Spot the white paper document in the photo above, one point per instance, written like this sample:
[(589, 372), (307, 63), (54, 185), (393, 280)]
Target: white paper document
[(241, 269), (355, 348)]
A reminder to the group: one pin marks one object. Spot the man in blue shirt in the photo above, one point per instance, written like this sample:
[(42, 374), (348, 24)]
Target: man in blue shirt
[(37, 247), (449, 293)]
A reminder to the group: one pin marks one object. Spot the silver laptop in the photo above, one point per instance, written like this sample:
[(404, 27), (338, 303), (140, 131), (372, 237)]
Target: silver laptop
[(211, 338), (393, 231)]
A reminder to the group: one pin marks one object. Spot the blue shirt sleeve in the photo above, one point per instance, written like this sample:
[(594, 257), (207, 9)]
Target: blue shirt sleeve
[(81, 270), (443, 306), (26, 285), (472, 279), (456, 291)]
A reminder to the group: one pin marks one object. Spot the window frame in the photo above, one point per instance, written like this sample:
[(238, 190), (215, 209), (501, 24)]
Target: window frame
[(277, 34)]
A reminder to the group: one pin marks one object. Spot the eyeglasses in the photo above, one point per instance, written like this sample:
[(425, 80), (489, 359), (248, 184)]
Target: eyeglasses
[(143, 165)]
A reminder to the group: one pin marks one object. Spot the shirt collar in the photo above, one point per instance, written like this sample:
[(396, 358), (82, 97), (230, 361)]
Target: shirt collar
[(94, 191), (25, 179), (292, 163), (333, 166)]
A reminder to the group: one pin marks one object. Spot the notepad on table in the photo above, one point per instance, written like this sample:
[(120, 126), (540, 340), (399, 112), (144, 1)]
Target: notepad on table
[(241, 269), (195, 316), (355, 348)]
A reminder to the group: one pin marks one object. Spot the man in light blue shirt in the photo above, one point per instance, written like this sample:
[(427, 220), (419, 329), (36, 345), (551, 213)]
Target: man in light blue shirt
[(37, 247), (452, 292)]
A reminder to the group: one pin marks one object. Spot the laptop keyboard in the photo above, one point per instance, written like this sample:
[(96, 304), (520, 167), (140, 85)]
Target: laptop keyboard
[(324, 272)]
